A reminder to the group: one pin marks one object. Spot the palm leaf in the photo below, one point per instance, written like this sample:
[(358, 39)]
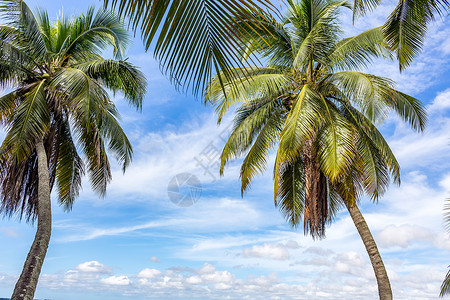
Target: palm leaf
[(30, 121), (118, 76), (406, 26), (203, 29), (70, 169), (360, 50)]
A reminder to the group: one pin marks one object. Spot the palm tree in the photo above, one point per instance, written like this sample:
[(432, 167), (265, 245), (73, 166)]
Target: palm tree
[(195, 38), (311, 102), (445, 287), (58, 79), (405, 28)]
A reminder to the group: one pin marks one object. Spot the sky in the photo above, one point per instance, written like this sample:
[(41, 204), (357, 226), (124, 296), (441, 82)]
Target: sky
[(145, 241)]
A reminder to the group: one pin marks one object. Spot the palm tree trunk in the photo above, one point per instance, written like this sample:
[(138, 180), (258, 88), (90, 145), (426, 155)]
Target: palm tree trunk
[(26, 285), (384, 287), (316, 195)]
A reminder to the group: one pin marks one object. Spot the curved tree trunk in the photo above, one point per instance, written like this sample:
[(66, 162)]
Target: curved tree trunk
[(384, 287), (26, 285)]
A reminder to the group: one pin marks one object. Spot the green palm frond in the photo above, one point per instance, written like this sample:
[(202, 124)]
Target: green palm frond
[(406, 26), (248, 122), (410, 109), (366, 91), (361, 7), (320, 28), (118, 76), (94, 32), (255, 162), (360, 50), (301, 123), (206, 30), (262, 83), (93, 147), (334, 142), (20, 16), (290, 195), (70, 169), (378, 161), (30, 121), (118, 142), (445, 286)]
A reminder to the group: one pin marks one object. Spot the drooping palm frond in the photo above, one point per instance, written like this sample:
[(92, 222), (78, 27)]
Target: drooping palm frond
[(406, 27), (30, 121), (70, 169), (265, 82), (195, 38), (249, 120), (303, 120), (290, 195), (117, 75)]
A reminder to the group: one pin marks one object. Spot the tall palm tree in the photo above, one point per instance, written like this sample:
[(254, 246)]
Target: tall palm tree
[(445, 287), (405, 28), (58, 79), (194, 39), (311, 102)]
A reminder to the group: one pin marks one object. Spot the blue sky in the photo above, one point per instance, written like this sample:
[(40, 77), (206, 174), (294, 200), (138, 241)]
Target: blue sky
[(136, 244)]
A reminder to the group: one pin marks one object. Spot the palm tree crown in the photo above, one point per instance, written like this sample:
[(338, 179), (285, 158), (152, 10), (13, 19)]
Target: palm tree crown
[(313, 103), (59, 79)]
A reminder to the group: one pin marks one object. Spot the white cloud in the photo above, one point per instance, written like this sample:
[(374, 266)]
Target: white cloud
[(209, 283), (93, 267), (155, 259), (116, 280), (270, 251), (441, 102), (149, 273), (194, 280), (403, 236)]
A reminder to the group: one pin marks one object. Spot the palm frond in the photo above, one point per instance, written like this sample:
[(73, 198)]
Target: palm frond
[(248, 85), (94, 32), (301, 123), (30, 121), (255, 161), (334, 142), (405, 28), (205, 30), (358, 51), (118, 76), (20, 16), (70, 169), (445, 287), (290, 195), (247, 124)]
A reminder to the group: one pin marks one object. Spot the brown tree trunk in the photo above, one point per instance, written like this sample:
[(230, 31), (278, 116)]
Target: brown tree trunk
[(316, 195), (384, 287), (26, 285)]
